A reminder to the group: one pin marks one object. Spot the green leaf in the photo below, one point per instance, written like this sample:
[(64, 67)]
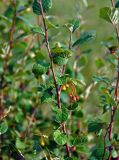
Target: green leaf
[(83, 149), (47, 95), (95, 125), (58, 51), (47, 4), (50, 24), (115, 154), (74, 106), (101, 79), (78, 82), (58, 60), (80, 140), (60, 55), (37, 29), (25, 20), (110, 14), (20, 144), (76, 25), (73, 25), (61, 80), (59, 137), (9, 11), (3, 127), (85, 37), (110, 100), (19, 116), (40, 68), (62, 115)]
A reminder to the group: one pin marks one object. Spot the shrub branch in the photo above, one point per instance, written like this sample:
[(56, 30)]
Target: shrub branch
[(58, 89), (109, 130)]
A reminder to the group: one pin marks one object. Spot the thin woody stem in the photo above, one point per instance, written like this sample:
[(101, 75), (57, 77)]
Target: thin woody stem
[(70, 39), (58, 89), (109, 130), (114, 108), (49, 52), (113, 4)]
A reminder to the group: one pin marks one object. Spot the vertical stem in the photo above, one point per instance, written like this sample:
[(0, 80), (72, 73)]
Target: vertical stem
[(58, 89), (113, 4), (114, 108), (70, 112), (109, 130), (70, 39)]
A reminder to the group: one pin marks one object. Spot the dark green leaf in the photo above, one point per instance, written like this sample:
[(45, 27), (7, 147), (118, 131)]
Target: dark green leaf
[(60, 55), (85, 37), (40, 68), (80, 140), (37, 30), (62, 115), (74, 106), (47, 4), (95, 125), (76, 25), (110, 14), (101, 79), (47, 96), (61, 80)]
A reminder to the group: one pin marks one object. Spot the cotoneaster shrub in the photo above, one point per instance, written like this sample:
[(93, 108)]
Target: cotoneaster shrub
[(52, 104)]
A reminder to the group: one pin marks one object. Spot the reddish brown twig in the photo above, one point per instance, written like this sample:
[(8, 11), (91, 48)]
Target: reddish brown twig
[(114, 108), (58, 89), (70, 39), (109, 130)]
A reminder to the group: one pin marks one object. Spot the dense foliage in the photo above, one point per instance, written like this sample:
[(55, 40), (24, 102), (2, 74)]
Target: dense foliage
[(59, 80)]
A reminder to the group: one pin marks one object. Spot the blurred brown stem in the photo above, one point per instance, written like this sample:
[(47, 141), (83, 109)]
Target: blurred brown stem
[(113, 4), (70, 39)]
